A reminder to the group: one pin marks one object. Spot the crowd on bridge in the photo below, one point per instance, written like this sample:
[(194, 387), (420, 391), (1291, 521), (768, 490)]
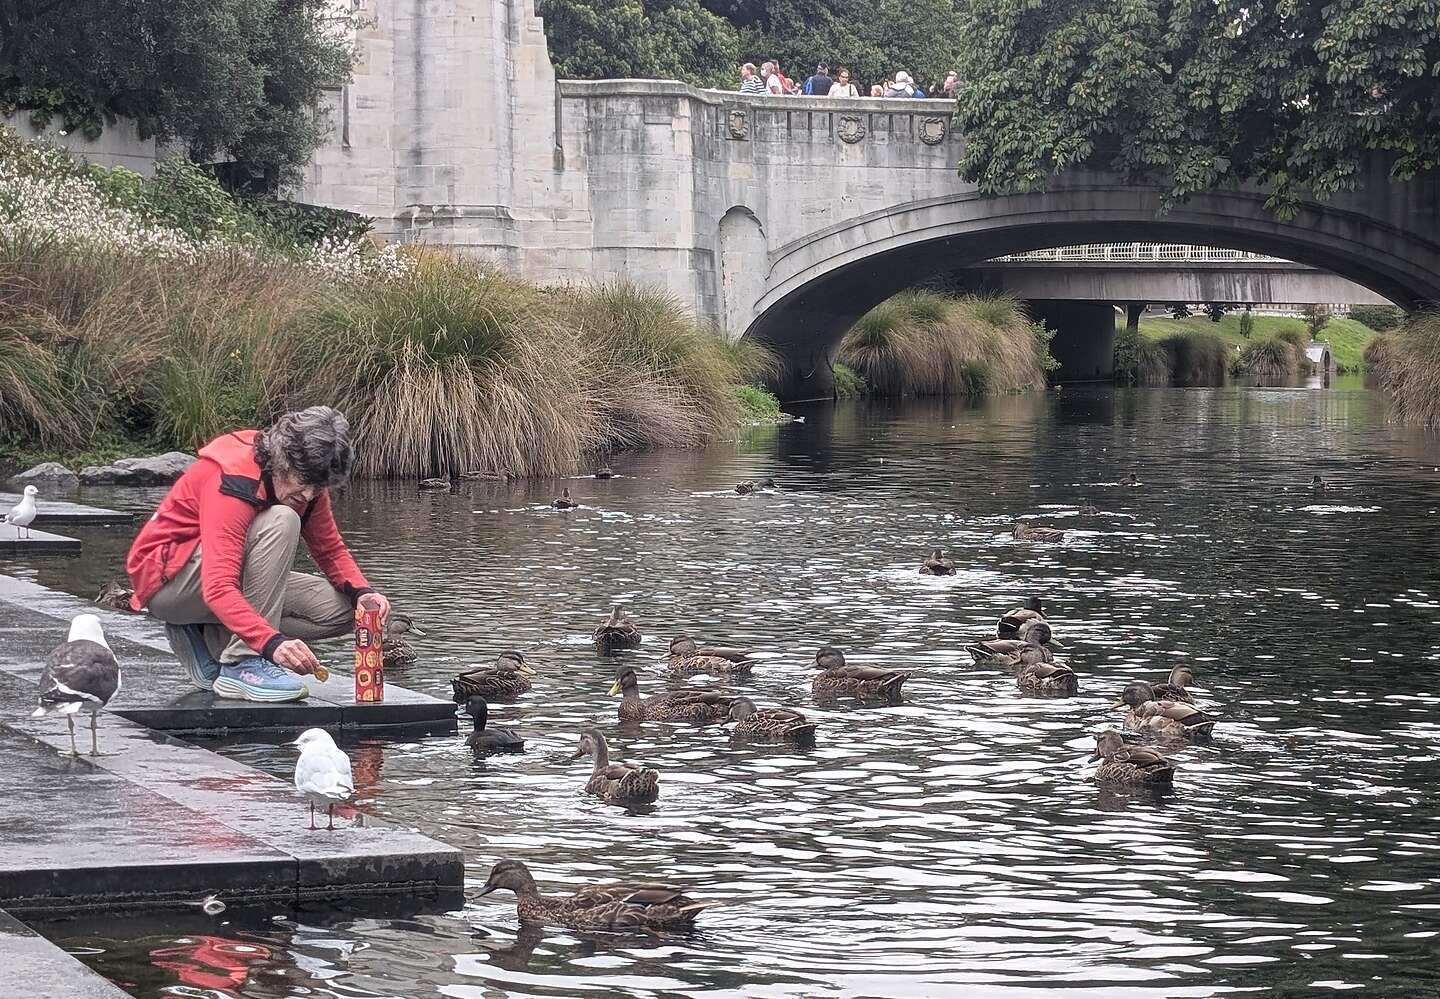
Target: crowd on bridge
[(770, 79)]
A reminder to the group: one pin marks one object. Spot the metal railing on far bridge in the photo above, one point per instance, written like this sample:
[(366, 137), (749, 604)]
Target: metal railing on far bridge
[(1122, 253)]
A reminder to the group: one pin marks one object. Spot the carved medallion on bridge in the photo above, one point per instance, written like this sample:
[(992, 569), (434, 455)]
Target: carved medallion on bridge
[(933, 130), (738, 122), (851, 128)]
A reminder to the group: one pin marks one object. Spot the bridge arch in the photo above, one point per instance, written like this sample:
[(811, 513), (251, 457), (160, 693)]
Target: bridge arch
[(818, 285)]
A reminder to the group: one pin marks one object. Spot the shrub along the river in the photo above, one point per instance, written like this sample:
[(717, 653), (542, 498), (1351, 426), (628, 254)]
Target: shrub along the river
[(1196, 358), (1406, 365), (927, 343), (1140, 360)]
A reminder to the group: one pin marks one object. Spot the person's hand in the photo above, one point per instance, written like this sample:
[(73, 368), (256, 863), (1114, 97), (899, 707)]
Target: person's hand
[(377, 601), (296, 656)]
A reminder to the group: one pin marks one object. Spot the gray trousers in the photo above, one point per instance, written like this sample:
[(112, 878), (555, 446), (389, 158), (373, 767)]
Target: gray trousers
[(294, 603)]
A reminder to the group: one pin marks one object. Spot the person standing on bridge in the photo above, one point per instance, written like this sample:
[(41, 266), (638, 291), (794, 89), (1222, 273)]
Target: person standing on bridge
[(842, 87), (774, 82), (750, 82), (214, 562), (819, 85)]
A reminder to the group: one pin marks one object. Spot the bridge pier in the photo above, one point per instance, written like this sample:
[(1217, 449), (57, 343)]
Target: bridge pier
[(1084, 341)]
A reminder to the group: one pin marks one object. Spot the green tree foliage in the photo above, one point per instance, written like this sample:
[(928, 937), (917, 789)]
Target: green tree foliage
[(1378, 317), (641, 39), (701, 41), (1196, 94), (1315, 317), (237, 80), (1247, 324)]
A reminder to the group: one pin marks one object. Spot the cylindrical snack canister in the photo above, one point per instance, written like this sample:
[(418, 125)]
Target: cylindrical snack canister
[(369, 656)]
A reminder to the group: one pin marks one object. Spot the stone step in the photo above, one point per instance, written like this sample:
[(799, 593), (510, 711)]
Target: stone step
[(157, 693), (37, 969), (14, 540), (48, 511)]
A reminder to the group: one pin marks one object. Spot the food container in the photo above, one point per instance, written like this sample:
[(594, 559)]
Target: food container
[(369, 656)]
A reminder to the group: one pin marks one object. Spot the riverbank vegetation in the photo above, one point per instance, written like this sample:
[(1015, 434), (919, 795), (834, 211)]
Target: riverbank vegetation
[(1345, 336), (928, 343), (1275, 360), (152, 315), (1405, 364)]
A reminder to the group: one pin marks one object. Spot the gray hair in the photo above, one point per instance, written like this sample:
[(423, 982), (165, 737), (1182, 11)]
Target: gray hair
[(750, 66), (313, 445)]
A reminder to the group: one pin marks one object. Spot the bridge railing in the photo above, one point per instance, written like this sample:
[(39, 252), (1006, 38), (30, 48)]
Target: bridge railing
[(1137, 252)]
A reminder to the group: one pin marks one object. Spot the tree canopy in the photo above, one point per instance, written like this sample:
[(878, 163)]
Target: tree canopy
[(1199, 94), (639, 39), (704, 41), (238, 80)]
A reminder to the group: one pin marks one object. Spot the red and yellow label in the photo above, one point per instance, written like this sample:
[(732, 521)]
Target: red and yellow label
[(369, 656)]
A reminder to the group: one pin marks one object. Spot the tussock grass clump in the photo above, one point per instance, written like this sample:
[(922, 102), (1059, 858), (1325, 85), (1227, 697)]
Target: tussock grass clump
[(1379, 353), (926, 343), (1274, 361), (1407, 368), (1196, 358), (848, 383), (1140, 360)]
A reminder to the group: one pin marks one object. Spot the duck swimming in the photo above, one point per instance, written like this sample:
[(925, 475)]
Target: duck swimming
[(1170, 719), (508, 677), (1048, 678), (1030, 609), (1135, 766), (698, 706), (770, 724), (1031, 645), (431, 485), (616, 632), (564, 502), (1047, 535), (1173, 689), (618, 906), (618, 783), (867, 683), (484, 741), (686, 659), (937, 565)]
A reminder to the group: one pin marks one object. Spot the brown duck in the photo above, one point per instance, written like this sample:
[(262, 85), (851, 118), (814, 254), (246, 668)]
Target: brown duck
[(1173, 689), (619, 906), (1135, 766), (1048, 678), (1030, 646), (508, 677), (686, 659), (1171, 719), (698, 706), (770, 724), (1024, 532), (867, 683), (616, 632), (937, 565), (618, 783), (1030, 609)]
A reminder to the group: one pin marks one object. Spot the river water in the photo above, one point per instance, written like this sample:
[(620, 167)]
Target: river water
[(951, 845)]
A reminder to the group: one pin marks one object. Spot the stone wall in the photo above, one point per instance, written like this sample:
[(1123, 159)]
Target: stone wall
[(119, 145)]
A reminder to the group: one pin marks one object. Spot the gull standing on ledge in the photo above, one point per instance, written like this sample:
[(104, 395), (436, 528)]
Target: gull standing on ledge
[(81, 673), (322, 774), (22, 514)]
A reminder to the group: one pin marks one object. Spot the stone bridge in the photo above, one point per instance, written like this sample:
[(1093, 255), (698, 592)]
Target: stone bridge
[(782, 218)]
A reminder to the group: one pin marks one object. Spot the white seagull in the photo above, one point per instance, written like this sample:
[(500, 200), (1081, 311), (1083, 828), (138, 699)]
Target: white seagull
[(322, 774), (22, 514), (81, 673)]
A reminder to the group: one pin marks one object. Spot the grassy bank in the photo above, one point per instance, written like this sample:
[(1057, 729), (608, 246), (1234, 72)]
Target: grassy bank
[(927, 343), (1406, 367), (1346, 337), (132, 320)]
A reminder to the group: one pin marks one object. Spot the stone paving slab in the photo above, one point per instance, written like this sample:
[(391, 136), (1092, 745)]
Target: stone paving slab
[(14, 540), (34, 968), (48, 511), (156, 691), (158, 821)]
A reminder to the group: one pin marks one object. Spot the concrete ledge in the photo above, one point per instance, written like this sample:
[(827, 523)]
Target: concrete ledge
[(36, 541), (156, 691), (48, 511), (36, 969)]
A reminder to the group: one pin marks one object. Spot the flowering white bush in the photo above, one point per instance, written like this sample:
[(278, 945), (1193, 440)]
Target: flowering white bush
[(47, 196)]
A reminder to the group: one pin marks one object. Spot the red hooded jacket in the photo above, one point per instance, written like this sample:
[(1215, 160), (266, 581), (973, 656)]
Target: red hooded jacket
[(213, 505)]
